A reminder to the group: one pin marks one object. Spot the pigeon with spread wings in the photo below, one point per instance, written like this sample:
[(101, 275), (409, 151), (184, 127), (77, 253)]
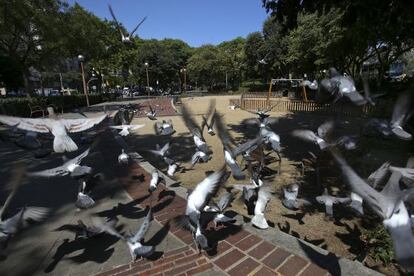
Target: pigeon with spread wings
[(126, 38), (59, 127)]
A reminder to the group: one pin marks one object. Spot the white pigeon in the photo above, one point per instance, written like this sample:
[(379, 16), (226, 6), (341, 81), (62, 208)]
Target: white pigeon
[(259, 219), (172, 168), (125, 128), (155, 179), (59, 127), (71, 167)]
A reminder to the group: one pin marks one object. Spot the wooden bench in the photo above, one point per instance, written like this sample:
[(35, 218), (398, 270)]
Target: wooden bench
[(36, 109)]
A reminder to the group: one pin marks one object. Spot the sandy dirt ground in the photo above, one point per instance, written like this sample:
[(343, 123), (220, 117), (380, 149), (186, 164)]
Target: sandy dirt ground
[(340, 235)]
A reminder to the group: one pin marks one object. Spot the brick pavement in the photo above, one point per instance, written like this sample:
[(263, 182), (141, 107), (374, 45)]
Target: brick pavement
[(162, 105), (237, 252)]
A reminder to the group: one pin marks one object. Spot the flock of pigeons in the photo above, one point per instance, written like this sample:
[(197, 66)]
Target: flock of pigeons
[(387, 201)]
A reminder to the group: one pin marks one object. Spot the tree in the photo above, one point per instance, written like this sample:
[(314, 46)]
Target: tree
[(253, 50), (233, 50), (29, 34)]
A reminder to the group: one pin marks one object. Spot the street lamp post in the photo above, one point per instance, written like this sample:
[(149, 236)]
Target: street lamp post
[(185, 78), (81, 58), (146, 69)]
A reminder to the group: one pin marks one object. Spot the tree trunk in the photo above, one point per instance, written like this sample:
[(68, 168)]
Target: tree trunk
[(27, 83)]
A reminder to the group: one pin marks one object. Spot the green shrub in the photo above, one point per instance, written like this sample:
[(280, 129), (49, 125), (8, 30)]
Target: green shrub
[(379, 244), (19, 106)]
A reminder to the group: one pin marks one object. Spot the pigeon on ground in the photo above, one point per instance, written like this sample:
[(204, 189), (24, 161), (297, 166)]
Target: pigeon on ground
[(57, 126), (234, 106), (155, 179), (164, 128), (126, 38), (125, 128), (389, 206), (328, 200), (123, 158), (151, 114), (11, 226), (263, 197), (290, 198), (219, 208), (199, 156), (135, 242), (84, 200), (71, 167)]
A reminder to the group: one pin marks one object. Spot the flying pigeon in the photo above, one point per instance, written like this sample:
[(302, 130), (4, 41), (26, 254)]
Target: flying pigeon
[(125, 128), (403, 110), (328, 200), (312, 85), (195, 130), (164, 128), (389, 206), (338, 86), (71, 167), (263, 197), (196, 202), (57, 126), (199, 156), (123, 158), (219, 208), (320, 139), (29, 141), (136, 248), (161, 152), (209, 117), (126, 38), (97, 227), (11, 226)]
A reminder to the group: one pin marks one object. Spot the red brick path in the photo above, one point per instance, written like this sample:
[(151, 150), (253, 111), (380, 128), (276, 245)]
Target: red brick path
[(239, 254), (162, 106)]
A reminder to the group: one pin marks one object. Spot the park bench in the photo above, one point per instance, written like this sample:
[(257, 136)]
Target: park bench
[(36, 109)]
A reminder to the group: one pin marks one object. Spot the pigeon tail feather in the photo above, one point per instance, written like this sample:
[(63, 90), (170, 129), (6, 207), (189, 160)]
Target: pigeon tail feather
[(64, 143)]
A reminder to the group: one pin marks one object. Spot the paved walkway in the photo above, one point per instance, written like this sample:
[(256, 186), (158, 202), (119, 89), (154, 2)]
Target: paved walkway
[(238, 252)]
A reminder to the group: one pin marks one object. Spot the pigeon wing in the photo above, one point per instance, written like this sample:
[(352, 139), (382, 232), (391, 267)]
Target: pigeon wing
[(225, 201), (30, 124), (190, 122), (136, 28), (325, 130), (379, 176), (374, 199), (79, 125), (305, 134), (246, 146), (14, 183), (206, 189), (20, 220), (144, 228)]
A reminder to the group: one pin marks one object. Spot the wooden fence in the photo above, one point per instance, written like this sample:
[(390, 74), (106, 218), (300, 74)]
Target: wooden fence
[(283, 104)]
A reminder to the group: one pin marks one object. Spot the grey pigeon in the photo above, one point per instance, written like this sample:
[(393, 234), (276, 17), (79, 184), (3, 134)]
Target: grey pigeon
[(328, 200), (209, 117), (196, 202), (97, 227), (290, 198), (155, 179), (389, 206), (136, 248), (164, 128), (152, 114), (195, 130), (125, 128), (11, 226), (84, 201), (403, 111), (126, 38), (71, 167), (320, 138), (219, 208)]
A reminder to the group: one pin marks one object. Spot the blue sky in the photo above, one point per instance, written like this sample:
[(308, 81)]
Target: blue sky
[(197, 22)]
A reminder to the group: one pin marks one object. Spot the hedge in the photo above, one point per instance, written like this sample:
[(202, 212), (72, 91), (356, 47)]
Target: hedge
[(19, 106)]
